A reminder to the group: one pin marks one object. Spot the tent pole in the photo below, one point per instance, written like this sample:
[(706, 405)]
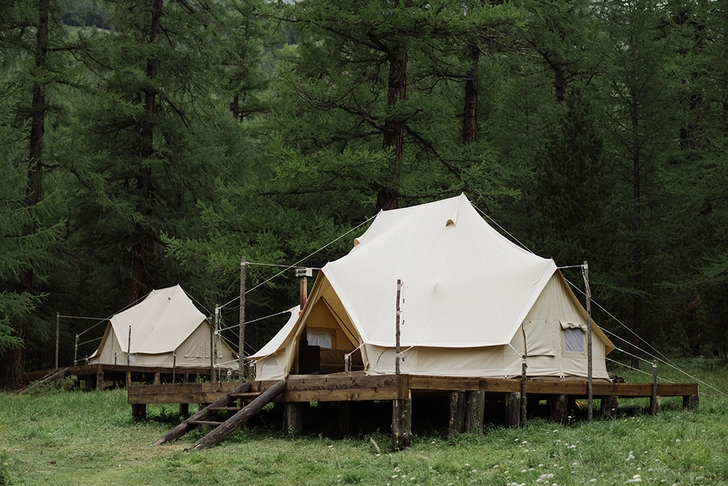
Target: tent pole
[(589, 358), (58, 319), (396, 329), (75, 351), (241, 327), (213, 344), (128, 349), (524, 408)]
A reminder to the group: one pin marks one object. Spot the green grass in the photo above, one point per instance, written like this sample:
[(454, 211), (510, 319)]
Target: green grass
[(88, 438)]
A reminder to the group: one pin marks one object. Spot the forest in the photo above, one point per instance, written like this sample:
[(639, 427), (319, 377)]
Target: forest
[(145, 143)]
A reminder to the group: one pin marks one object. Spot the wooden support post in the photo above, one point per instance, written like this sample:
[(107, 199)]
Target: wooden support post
[(344, 417), (213, 345), (139, 411), (398, 311), (75, 352), (128, 348), (402, 407), (589, 352), (401, 424), (457, 413), (474, 412), (184, 410), (559, 408), (58, 334), (241, 327), (513, 409), (128, 378), (293, 417), (100, 377), (609, 406), (239, 419), (524, 398), (690, 402), (654, 399)]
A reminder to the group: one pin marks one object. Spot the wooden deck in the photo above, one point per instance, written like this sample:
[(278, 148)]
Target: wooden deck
[(324, 388), (97, 376), (342, 388)]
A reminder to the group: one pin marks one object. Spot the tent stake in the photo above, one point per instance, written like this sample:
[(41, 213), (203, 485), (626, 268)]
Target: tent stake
[(589, 357)]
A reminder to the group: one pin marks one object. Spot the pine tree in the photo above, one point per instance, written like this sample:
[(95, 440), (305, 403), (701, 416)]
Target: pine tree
[(152, 133)]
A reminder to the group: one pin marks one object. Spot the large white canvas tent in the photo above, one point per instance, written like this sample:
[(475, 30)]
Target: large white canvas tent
[(163, 330), (474, 304)]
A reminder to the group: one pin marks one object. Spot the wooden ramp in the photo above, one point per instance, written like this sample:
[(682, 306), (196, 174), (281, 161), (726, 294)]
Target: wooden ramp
[(227, 402)]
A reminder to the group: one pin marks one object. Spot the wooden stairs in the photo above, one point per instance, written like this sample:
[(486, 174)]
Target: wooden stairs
[(221, 430)]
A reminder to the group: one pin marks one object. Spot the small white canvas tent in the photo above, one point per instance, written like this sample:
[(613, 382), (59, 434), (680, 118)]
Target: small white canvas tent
[(474, 303), (163, 330)]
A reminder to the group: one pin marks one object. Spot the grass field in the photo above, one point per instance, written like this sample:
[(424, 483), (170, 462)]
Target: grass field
[(88, 438)]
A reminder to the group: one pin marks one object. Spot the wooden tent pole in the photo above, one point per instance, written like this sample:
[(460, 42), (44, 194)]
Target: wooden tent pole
[(241, 328), (590, 355), (58, 319), (396, 328), (213, 344)]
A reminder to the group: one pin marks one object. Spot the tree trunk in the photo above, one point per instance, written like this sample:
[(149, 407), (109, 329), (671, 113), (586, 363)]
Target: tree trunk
[(14, 374), (470, 110), (388, 194), (637, 257), (142, 249)]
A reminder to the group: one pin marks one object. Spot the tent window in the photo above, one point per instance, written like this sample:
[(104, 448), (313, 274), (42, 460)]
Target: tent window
[(270, 364), (574, 340), (319, 338)]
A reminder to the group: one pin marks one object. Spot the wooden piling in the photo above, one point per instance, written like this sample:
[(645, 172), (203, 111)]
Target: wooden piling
[(139, 411), (475, 410), (513, 409), (401, 424), (293, 417), (654, 399), (559, 408), (524, 399), (690, 402), (457, 413), (344, 417), (100, 378), (609, 406)]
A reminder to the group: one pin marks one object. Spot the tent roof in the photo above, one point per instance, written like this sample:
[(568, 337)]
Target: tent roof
[(159, 323), (278, 340), (465, 285)]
